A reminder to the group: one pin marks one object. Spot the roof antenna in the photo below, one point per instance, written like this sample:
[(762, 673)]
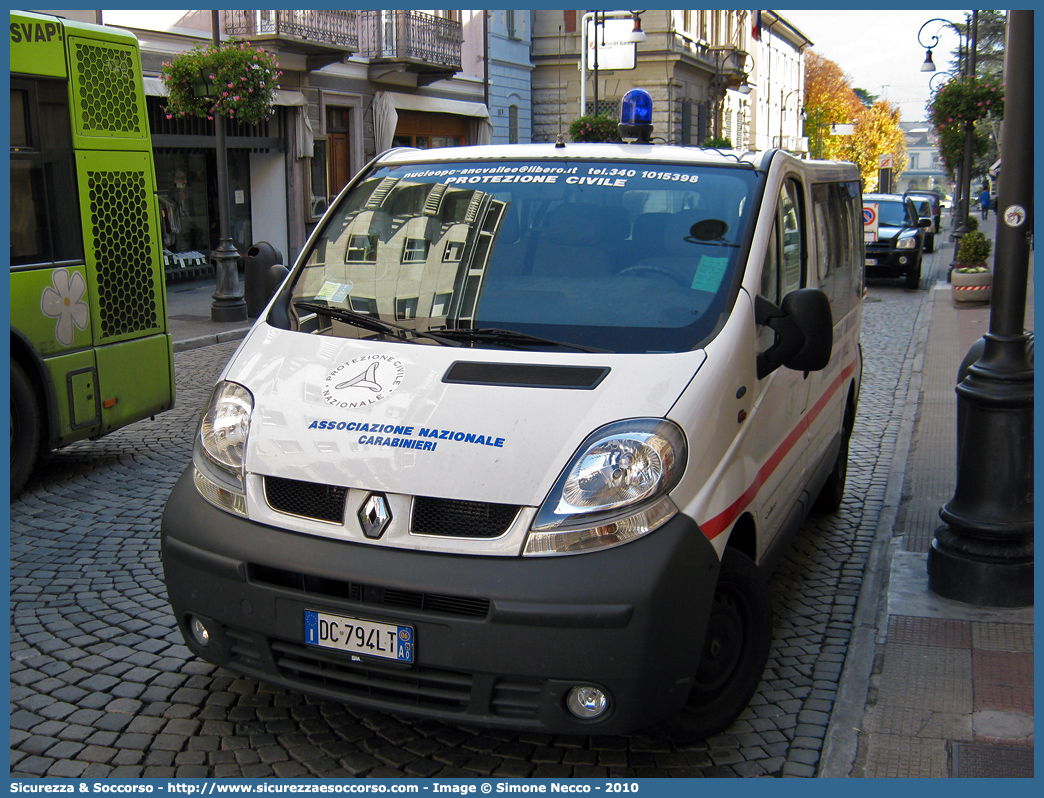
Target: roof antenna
[(561, 141)]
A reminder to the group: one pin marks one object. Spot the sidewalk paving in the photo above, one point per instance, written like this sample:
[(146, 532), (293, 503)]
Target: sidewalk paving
[(188, 313), (933, 687)]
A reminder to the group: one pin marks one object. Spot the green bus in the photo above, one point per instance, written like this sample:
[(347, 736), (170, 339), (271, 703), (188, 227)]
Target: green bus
[(90, 348)]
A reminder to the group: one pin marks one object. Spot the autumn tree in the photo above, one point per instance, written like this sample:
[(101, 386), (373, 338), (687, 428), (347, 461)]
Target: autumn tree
[(877, 133), (829, 100)]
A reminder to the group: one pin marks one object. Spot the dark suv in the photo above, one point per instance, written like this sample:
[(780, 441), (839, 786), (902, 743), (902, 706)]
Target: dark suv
[(900, 239)]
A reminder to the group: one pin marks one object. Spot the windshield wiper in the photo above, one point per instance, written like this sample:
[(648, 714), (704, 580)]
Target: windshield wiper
[(495, 334), (370, 323)]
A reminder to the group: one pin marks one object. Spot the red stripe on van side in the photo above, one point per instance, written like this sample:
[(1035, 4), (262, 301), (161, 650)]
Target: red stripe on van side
[(719, 523)]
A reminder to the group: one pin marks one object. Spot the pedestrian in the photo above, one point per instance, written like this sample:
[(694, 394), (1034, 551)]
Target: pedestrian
[(984, 202)]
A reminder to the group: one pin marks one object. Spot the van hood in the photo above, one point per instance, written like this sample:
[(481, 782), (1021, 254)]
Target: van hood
[(473, 424)]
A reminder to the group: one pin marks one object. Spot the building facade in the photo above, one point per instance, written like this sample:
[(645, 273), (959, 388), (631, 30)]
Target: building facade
[(354, 84), (712, 75)]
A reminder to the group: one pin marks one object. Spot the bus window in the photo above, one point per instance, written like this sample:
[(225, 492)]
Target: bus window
[(45, 226)]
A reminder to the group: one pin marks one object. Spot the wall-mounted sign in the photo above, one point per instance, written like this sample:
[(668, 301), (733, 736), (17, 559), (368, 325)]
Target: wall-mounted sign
[(611, 38)]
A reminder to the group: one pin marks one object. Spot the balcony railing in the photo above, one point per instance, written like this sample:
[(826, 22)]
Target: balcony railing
[(312, 30), (410, 36)]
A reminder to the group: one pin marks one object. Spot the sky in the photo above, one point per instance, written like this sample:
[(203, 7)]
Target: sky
[(878, 50)]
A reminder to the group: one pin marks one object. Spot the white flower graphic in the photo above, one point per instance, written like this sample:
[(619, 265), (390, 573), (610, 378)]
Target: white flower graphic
[(64, 301)]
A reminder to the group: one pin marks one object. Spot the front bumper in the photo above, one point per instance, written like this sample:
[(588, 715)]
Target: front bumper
[(891, 262), (499, 640)]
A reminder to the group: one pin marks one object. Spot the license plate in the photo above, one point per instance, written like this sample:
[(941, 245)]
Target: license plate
[(870, 262), (359, 636)]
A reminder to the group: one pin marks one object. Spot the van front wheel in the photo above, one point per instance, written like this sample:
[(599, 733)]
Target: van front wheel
[(735, 650)]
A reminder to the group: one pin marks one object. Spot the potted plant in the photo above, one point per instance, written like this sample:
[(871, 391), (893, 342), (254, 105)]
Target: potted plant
[(970, 278), (594, 128), (231, 79), (718, 143)]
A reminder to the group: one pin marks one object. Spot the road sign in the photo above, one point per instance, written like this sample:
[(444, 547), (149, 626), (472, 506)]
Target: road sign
[(885, 161), (870, 221)]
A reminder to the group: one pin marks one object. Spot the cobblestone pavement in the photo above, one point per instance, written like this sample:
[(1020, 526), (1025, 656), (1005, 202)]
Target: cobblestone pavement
[(103, 686)]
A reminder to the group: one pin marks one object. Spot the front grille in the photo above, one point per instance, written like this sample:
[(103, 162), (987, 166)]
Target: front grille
[(515, 698), (462, 606), (393, 684), (461, 519), (306, 499), (438, 517)]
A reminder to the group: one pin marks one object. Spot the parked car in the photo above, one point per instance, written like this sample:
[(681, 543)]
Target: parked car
[(925, 210), (898, 246), (938, 203)]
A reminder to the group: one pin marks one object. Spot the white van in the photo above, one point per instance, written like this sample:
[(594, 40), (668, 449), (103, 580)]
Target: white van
[(518, 438)]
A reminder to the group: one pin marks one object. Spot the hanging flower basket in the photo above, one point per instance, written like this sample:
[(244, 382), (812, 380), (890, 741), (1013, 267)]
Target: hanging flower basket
[(232, 79), (962, 100)]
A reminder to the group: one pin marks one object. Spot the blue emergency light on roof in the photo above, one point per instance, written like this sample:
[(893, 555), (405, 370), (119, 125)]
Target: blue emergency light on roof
[(636, 116)]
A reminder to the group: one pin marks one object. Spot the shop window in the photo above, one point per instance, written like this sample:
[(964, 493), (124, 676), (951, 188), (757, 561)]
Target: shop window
[(186, 182)]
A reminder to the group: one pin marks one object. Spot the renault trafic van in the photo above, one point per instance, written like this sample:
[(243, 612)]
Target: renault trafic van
[(522, 432)]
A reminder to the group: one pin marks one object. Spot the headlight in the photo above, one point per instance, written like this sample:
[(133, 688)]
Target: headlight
[(613, 490), (907, 243), (219, 453)]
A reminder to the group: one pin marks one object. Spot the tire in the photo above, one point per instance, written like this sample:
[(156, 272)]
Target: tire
[(913, 277), (735, 650), (25, 429), (833, 490)]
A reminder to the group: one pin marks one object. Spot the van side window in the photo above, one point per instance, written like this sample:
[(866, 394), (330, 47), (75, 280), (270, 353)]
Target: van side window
[(783, 269), (838, 242), (793, 238)]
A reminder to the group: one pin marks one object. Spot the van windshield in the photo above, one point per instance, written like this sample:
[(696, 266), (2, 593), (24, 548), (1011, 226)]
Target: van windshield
[(611, 256)]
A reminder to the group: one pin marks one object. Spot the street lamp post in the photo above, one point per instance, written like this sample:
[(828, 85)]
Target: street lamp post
[(966, 62), (983, 555), (782, 110), (228, 304)]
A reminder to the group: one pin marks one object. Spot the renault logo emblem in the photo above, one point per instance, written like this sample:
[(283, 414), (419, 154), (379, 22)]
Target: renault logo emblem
[(374, 515)]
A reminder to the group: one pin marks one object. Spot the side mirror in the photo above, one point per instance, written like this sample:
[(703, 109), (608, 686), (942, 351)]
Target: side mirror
[(925, 222), (279, 315), (804, 331)]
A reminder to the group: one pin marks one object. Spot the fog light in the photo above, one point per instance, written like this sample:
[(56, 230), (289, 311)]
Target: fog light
[(199, 631), (587, 702)]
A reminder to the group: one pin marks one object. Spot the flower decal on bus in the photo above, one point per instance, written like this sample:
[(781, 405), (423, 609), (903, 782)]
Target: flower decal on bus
[(63, 300)]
